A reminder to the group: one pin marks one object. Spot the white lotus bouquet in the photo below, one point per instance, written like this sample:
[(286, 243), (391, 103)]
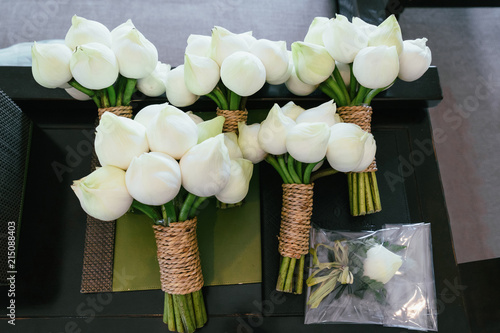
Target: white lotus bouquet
[(165, 165), (352, 62), (106, 66), (295, 142)]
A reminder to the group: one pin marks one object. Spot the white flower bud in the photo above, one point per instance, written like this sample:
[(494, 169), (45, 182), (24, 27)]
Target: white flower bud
[(273, 131), (313, 63), (154, 84), (231, 142), (224, 43), (201, 74), (307, 142), (243, 73), (381, 264), (239, 181), (324, 113), (415, 59), (50, 64), (387, 33), (210, 128), (274, 56), (315, 32), (177, 92), (292, 110), (343, 40), (199, 45), (83, 31), (249, 143), (376, 66), (148, 113)]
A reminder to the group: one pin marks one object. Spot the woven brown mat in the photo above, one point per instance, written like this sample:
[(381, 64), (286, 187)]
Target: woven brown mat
[(233, 117), (178, 257), (296, 214), (98, 253), (360, 115)]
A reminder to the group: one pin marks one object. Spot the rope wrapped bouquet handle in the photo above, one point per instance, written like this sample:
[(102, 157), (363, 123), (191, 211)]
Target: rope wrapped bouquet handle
[(233, 117)]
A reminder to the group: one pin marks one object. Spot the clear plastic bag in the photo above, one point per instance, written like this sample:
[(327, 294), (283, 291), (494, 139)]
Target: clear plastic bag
[(406, 300)]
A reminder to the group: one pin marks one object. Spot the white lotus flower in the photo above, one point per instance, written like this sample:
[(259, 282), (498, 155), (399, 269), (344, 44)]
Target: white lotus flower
[(313, 63), (325, 113), (348, 149), (388, 33), (154, 84), (103, 194), (292, 110), (381, 264), (376, 66), (171, 131), (206, 167), (224, 43), (243, 73), (274, 56), (137, 56), (231, 142), (148, 113), (118, 140), (83, 31), (307, 142), (199, 45), (345, 72), (343, 40), (236, 188), (297, 87), (77, 94), (197, 119), (201, 74), (415, 59), (177, 92), (273, 131), (153, 178), (122, 29), (249, 143), (315, 32), (365, 27), (50, 64), (94, 66), (210, 128)]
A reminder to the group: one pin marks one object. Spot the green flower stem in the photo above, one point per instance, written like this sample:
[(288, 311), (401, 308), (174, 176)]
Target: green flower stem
[(214, 98), (340, 82), (179, 326), (353, 84), (322, 173), (360, 97), (234, 101), (111, 95), (104, 98), (149, 211), (300, 279), (285, 262), (328, 91), (129, 90), (199, 308), (361, 194), (170, 214), (371, 95), (243, 103), (220, 96), (368, 193), (186, 207), (271, 159), (281, 162), (349, 182), (289, 276), (169, 312), (335, 87), (291, 170), (354, 186), (188, 299), (120, 88), (196, 204), (375, 192), (86, 91), (300, 171), (308, 171)]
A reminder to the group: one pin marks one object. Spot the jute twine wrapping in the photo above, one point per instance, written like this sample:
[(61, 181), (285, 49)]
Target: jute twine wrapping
[(233, 117), (360, 115), (296, 214), (178, 257), (124, 111)]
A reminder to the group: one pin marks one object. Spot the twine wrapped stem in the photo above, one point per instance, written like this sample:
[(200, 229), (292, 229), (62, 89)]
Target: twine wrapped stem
[(233, 117)]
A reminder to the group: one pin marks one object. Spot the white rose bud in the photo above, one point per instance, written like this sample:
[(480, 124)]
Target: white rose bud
[(199, 45), (381, 264), (307, 142), (415, 59), (243, 73), (249, 143), (154, 84), (118, 140), (346, 148), (210, 128), (153, 178), (83, 31), (387, 33), (137, 57), (324, 113), (273, 131), (313, 63), (292, 110), (103, 194), (94, 66), (50, 64), (237, 186), (274, 56), (315, 33), (343, 40), (225, 43), (376, 66), (201, 74), (177, 92), (206, 167), (231, 142), (171, 131)]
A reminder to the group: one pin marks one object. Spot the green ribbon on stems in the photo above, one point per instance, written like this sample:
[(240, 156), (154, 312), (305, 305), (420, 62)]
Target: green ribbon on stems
[(182, 313), (291, 171)]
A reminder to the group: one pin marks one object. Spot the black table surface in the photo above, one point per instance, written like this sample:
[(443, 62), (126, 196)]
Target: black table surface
[(52, 234)]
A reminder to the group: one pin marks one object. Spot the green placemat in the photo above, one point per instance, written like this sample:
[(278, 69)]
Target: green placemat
[(229, 243)]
